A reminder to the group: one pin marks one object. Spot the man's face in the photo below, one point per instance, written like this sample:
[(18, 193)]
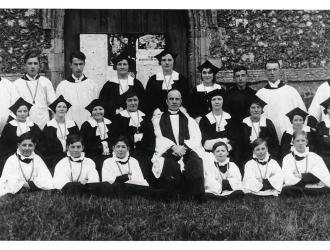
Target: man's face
[(32, 66), (272, 72), (174, 100), (77, 67), (240, 79), (75, 149)]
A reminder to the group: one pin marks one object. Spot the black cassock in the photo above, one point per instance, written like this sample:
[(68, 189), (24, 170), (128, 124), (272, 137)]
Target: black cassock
[(141, 150), (50, 147), (156, 96), (286, 141), (208, 129), (199, 105), (110, 95), (9, 140), (323, 142), (267, 132), (93, 142)]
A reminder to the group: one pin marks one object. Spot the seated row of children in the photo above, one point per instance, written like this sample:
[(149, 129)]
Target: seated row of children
[(302, 171)]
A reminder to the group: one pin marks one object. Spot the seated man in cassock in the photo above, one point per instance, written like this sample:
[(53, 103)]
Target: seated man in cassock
[(177, 164)]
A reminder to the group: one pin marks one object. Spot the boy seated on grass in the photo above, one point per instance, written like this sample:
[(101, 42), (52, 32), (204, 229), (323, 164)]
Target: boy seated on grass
[(221, 176), (262, 175), (74, 171), (25, 170), (304, 171)]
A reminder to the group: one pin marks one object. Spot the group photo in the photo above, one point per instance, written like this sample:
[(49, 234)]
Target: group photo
[(164, 124)]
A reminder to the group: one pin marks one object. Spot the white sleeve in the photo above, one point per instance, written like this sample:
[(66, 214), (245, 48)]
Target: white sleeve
[(109, 173), (234, 177), (319, 169), (60, 176), (162, 143), (92, 174), (137, 175), (275, 176), (250, 181), (11, 181), (43, 178), (288, 168), (50, 92)]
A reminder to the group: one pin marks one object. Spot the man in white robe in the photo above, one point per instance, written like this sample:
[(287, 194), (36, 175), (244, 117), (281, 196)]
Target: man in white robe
[(78, 89), (35, 89), (280, 98), (8, 96)]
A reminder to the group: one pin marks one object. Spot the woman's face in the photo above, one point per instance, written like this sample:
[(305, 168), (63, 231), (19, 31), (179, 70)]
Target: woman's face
[(132, 104), (22, 113), (75, 149), (26, 147), (261, 151), (61, 109), (297, 122), (122, 67), (221, 153), (217, 102), (255, 110), (207, 75), (98, 113), (167, 62), (120, 149), (300, 143)]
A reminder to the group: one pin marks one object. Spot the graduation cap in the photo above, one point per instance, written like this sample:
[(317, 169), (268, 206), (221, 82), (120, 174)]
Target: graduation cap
[(216, 92), (297, 111), (59, 99), (208, 65), (257, 100), (20, 102), (164, 53), (326, 105), (93, 104)]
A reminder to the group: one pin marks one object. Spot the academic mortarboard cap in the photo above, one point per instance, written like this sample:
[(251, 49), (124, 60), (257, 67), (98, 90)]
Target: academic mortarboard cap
[(257, 100), (207, 64), (216, 92), (59, 99), (297, 111), (20, 102), (164, 53), (326, 104), (93, 104)]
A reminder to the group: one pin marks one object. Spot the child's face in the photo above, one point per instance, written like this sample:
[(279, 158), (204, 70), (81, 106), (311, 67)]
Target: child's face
[(221, 153), (261, 151), (75, 149), (120, 149), (26, 147), (300, 143)]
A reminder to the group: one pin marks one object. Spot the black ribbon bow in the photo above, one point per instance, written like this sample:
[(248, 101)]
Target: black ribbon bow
[(26, 160)]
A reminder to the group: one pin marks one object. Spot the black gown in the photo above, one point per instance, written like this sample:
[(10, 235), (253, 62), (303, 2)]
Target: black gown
[(141, 150), (198, 102), (323, 142), (93, 143), (267, 133), (156, 96), (50, 146), (110, 95)]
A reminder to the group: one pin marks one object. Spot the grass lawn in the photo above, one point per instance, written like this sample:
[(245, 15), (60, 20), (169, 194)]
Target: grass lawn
[(51, 216)]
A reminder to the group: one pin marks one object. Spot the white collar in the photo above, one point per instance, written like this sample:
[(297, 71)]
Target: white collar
[(78, 79), (122, 159), (68, 123), (248, 121), (28, 122), (32, 78), (222, 163), (274, 84), (115, 79), (125, 113), (305, 128), (295, 152), (264, 160), (225, 116), (93, 122), (160, 76), (81, 158), (201, 88), (24, 157)]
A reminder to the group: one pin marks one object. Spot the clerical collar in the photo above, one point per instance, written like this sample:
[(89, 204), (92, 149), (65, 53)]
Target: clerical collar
[(225, 162), (72, 78), (27, 77), (304, 154), (172, 112), (263, 161), (22, 157), (122, 160), (274, 84), (78, 159)]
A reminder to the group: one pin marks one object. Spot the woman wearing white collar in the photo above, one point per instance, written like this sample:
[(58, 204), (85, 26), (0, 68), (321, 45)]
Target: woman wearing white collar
[(297, 118), (159, 84), (53, 141), (74, 171), (199, 105), (98, 134), (113, 92), (16, 127), (262, 175), (133, 124), (304, 169), (25, 169), (257, 126)]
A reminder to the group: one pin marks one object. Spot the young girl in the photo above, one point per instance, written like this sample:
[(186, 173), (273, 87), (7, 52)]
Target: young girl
[(221, 176), (262, 175), (75, 170), (121, 168), (303, 168), (25, 169)]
